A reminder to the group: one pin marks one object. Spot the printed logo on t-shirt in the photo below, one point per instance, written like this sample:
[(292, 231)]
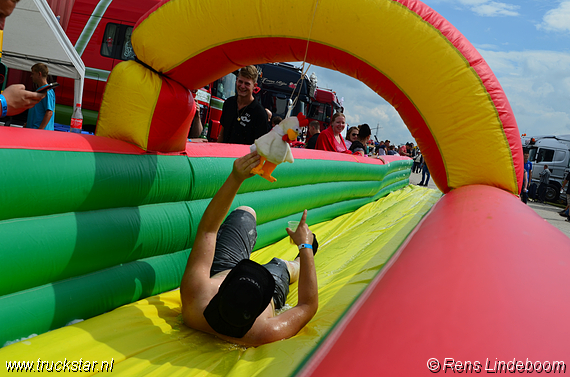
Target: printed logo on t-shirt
[(245, 118)]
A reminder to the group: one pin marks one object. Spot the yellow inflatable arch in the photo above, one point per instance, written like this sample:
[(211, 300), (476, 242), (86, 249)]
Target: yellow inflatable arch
[(407, 53)]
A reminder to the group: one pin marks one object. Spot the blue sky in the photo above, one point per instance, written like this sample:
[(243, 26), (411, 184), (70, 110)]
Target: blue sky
[(525, 42)]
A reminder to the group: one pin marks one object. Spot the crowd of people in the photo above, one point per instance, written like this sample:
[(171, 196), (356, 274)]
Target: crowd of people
[(244, 120)]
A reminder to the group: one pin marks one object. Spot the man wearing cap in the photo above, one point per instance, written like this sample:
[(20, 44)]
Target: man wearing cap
[(224, 293)]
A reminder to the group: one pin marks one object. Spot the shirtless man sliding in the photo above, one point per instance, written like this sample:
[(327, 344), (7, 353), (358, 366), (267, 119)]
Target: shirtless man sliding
[(224, 293)]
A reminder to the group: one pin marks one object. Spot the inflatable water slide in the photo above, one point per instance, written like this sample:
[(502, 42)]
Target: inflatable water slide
[(95, 230)]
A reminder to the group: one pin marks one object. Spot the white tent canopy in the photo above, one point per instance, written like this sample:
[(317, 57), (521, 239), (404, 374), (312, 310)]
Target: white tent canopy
[(32, 35)]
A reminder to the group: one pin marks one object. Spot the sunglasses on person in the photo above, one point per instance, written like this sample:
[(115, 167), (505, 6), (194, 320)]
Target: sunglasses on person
[(353, 134)]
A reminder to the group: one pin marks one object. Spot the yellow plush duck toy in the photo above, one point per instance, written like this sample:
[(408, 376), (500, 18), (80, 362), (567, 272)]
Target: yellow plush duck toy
[(273, 147)]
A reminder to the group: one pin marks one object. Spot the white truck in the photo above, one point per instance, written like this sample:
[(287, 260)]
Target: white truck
[(553, 151)]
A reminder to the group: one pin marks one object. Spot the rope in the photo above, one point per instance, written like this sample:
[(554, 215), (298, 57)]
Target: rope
[(303, 70)]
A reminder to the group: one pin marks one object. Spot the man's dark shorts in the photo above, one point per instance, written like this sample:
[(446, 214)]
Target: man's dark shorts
[(235, 241)]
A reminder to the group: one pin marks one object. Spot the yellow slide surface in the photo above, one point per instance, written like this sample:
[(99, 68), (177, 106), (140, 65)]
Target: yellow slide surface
[(149, 338)]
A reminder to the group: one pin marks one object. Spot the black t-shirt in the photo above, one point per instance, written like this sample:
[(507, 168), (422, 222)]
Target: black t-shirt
[(251, 125), (312, 143)]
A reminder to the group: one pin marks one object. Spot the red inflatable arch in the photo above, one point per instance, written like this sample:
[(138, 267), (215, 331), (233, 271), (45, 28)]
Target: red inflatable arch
[(410, 55)]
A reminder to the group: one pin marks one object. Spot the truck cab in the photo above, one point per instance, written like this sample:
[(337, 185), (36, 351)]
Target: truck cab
[(279, 82), (553, 151), (211, 107), (323, 105)]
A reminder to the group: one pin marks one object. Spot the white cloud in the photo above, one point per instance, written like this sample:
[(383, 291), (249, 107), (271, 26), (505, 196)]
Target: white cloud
[(472, 2), (487, 47), (494, 9), (537, 84), (488, 8), (557, 20)]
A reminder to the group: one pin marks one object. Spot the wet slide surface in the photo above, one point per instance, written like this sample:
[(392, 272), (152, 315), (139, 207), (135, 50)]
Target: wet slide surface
[(148, 337)]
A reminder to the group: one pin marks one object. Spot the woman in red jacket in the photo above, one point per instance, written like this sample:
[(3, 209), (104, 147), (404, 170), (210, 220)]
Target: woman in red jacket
[(331, 138)]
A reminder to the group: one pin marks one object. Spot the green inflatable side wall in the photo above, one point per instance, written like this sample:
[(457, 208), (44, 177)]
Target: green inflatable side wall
[(83, 233)]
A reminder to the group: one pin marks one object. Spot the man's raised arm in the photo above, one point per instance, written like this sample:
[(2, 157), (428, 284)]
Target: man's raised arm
[(202, 255), (289, 323)]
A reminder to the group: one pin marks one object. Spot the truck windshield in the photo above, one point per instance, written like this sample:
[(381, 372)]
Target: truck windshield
[(319, 111), (225, 87), (278, 104)]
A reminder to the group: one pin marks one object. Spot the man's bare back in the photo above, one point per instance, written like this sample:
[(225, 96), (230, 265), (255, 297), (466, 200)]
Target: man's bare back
[(198, 288)]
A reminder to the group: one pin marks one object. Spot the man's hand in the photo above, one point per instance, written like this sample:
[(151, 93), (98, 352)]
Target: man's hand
[(243, 165), (303, 234), (19, 99)]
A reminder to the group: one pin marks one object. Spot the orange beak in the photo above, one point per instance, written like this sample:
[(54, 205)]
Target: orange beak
[(292, 134)]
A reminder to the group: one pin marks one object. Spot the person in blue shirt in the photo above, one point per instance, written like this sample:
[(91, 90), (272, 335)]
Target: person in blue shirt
[(42, 115), (528, 176)]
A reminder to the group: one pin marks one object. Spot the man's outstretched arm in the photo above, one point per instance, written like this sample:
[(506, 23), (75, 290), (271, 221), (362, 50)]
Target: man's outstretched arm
[(308, 290), (202, 255), (289, 323)]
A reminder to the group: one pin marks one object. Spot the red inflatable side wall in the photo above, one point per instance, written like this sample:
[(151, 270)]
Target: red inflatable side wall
[(484, 279)]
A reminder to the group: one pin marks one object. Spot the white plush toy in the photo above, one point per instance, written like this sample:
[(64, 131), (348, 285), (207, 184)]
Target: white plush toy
[(273, 147)]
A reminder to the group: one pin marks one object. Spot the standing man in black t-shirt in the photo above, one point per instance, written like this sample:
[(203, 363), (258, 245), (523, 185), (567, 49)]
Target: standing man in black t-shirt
[(314, 130), (243, 118)]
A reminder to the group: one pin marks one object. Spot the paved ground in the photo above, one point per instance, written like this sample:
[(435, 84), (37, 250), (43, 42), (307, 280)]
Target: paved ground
[(550, 214), (416, 178), (546, 211)]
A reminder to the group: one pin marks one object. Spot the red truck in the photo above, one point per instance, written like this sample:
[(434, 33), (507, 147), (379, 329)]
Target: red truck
[(324, 103)]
